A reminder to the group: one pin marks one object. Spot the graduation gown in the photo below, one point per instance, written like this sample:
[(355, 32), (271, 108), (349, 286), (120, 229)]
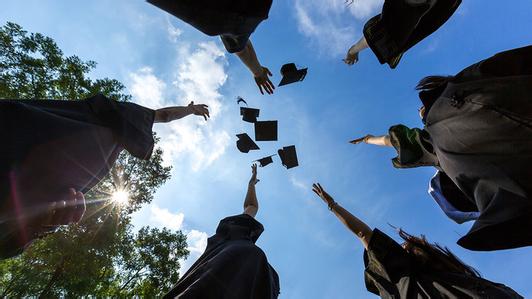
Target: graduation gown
[(232, 266), (233, 20), (391, 272), (478, 130), (404, 23), (49, 146)]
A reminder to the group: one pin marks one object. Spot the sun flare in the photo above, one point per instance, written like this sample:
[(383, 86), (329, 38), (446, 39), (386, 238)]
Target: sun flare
[(120, 197)]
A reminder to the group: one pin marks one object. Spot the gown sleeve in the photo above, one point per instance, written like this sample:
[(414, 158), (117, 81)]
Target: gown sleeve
[(515, 62), (412, 146), (404, 23), (388, 266)]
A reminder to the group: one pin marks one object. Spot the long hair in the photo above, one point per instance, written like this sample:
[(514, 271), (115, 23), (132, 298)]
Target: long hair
[(435, 256)]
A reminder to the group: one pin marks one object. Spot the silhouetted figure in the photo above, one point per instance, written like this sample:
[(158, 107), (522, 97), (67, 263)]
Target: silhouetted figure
[(232, 266), (415, 269), (478, 131), (233, 20), (54, 151), (401, 25)]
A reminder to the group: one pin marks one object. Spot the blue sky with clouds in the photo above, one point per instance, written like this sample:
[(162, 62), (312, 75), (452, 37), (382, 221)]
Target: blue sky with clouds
[(163, 61)]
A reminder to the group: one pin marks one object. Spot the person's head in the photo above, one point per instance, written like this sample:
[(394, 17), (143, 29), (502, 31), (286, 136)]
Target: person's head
[(434, 256)]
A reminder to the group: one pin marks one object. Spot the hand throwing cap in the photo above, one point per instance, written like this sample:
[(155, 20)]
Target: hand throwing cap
[(249, 114), (291, 74), (265, 161), (245, 143), (288, 156), (266, 130)]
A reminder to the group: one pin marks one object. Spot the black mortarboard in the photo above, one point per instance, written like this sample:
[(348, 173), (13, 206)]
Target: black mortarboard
[(291, 74), (288, 156), (241, 100), (266, 130), (265, 161), (249, 114), (245, 143)]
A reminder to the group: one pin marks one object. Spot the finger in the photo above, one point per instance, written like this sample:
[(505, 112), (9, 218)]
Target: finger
[(321, 188), (270, 83), (268, 88), (260, 88), (269, 73), (205, 117)]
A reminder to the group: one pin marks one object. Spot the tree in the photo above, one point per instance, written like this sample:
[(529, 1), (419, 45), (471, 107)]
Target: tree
[(101, 255)]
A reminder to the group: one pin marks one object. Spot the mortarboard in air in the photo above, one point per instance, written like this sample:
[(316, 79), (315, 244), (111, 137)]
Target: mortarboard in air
[(249, 114), (265, 161), (288, 156), (291, 74), (266, 130), (241, 100), (245, 143)]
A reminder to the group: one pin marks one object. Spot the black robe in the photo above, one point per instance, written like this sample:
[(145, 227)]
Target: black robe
[(49, 146), (391, 272), (404, 23), (478, 130), (232, 266), (233, 20)]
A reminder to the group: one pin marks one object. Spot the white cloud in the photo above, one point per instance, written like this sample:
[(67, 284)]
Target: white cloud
[(165, 218), (196, 240), (200, 74), (329, 24), (146, 89), (173, 32)]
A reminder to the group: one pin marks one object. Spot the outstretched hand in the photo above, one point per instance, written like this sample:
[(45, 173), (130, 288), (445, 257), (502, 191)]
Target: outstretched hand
[(200, 110), (322, 194), (352, 56), (66, 211), (253, 180), (361, 139), (263, 81)]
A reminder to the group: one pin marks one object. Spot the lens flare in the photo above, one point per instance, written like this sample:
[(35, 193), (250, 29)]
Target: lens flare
[(121, 197)]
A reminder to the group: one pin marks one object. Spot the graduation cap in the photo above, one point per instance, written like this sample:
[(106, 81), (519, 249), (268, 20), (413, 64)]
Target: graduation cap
[(241, 100), (288, 156), (245, 143), (249, 114), (291, 74), (266, 130), (265, 161)]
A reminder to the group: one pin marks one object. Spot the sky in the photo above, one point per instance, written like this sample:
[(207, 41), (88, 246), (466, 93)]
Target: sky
[(163, 62)]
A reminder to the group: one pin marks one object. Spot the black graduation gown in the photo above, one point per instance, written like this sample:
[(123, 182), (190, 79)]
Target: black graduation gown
[(49, 146), (393, 273), (232, 266), (478, 130), (233, 20), (404, 23)]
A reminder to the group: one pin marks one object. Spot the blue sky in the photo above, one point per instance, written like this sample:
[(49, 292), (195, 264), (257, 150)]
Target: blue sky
[(163, 61)]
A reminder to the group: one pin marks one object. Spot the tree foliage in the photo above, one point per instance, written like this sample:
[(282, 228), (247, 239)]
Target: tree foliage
[(100, 256)]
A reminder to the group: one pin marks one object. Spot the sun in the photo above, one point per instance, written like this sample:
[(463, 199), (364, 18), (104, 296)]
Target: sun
[(121, 197)]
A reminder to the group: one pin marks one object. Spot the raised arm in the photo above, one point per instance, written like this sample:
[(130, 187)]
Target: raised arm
[(251, 204), (249, 58), (359, 228), (383, 140), (169, 114)]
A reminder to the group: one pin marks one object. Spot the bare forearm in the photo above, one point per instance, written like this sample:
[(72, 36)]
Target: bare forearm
[(249, 58), (169, 114), (251, 204), (359, 46), (378, 140), (357, 226)]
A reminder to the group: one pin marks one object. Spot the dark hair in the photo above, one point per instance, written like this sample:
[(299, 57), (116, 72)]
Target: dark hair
[(433, 82), (436, 256)]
